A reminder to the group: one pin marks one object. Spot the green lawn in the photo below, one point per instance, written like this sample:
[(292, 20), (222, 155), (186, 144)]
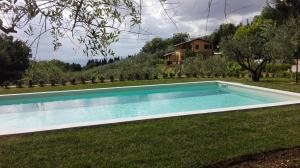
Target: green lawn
[(190, 141)]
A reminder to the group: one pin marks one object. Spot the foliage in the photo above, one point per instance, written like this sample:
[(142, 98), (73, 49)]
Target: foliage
[(14, 58), (277, 68), (233, 69), (224, 32), (249, 46), (286, 41), (94, 24), (180, 38), (214, 65)]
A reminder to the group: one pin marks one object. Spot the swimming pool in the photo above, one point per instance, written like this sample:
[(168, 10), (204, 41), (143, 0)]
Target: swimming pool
[(21, 113)]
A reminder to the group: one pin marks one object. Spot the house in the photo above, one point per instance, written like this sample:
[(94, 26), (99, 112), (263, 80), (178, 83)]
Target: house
[(197, 45)]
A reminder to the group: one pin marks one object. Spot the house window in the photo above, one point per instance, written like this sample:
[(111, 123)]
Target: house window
[(207, 46), (197, 47)]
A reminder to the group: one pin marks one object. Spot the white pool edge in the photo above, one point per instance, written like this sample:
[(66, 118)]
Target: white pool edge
[(175, 114)]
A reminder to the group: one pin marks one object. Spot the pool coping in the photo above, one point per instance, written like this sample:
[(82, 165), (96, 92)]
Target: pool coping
[(175, 114)]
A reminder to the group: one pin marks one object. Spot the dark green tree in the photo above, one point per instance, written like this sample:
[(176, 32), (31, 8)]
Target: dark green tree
[(14, 58), (180, 38), (225, 31)]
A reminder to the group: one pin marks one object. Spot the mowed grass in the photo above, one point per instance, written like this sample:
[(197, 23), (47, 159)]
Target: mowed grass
[(267, 82), (189, 141)]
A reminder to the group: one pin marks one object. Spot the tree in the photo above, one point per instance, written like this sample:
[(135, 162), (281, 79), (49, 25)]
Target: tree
[(286, 42), (155, 45), (14, 58), (94, 24), (287, 8), (180, 38), (249, 46), (280, 10), (224, 32)]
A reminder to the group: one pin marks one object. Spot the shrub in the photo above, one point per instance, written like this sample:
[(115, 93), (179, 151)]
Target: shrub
[(63, 82), (41, 83), (155, 76), (111, 78), (19, 84), (187, 75), (172, 75), (30, 84), (267, 75), (6, 84), (102, 79), (73, 81), (52, 81), (130, 77), (275, 68), (147, 76), (93, 79), (165, 75), (121, 78), (82, 80), (179, 75), (137, 77), (195, 75)]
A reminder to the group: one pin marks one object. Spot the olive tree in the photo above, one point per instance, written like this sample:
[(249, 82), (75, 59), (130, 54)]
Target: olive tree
[(249, 46), (286, 42), (92, 23)]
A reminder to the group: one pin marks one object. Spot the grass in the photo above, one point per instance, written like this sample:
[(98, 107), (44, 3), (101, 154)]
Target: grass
[(270, 82), (189, 141)]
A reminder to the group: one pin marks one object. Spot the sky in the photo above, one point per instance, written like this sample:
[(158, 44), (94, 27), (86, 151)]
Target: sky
[(190, 16)]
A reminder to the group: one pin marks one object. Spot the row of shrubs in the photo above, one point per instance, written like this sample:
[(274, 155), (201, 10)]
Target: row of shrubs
[(131, 77)]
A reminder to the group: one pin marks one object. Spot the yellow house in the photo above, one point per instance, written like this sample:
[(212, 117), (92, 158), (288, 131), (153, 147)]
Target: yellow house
[(197, 45)]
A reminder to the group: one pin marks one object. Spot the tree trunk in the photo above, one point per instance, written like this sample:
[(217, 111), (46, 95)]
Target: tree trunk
[(255, 76)]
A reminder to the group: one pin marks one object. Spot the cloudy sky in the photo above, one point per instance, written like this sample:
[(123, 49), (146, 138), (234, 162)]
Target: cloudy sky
[(189, 16)]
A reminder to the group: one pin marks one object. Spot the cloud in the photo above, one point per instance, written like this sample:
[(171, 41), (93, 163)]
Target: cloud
[(190, 16)]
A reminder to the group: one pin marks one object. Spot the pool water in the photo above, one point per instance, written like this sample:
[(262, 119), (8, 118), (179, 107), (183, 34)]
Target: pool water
[(31, 111)]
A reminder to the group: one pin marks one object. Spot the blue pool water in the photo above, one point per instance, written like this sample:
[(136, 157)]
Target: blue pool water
[(60, 108)]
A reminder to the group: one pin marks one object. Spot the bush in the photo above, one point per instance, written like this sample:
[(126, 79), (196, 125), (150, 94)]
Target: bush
[(179, 75), (165, 75), (6, 84), (30, 84), (155, 76), (41, 83), (82, 80), (102, 79), (147, 76), (63, 82), (195, 75), (93, 79), (111, 78), (137, 77), (172, 75), (130, 77), (121, 78), (187, 75), (19, 84), (52, 82), (73, 81), (275, 68)]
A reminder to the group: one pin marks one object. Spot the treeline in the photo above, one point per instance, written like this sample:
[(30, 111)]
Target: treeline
[(99, 62)]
